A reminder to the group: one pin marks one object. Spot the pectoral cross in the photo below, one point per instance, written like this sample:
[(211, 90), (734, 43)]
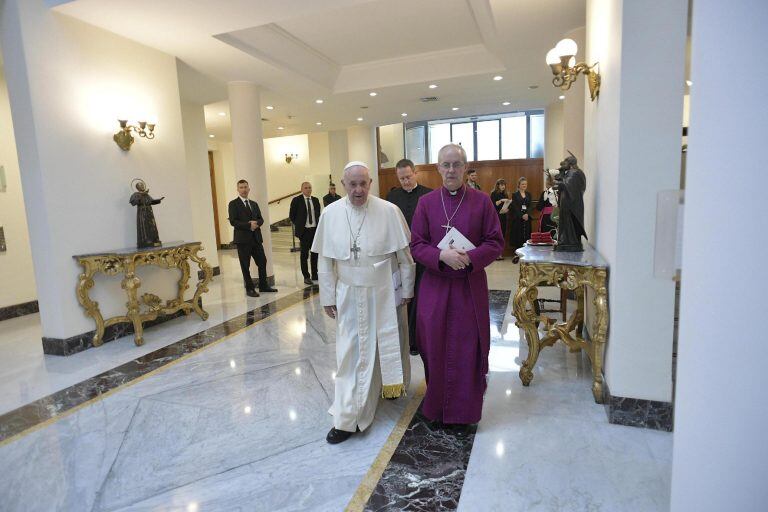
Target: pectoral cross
[(355, 249), (447, 227)]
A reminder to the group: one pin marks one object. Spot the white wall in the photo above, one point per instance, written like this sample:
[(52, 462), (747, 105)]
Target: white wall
[(392, 143), (720, 452), (80, 178), (573, 104), (553, 142), (362, 147), (338, 154), (16, 270), (632, 152), (196, 147), (284, 178)]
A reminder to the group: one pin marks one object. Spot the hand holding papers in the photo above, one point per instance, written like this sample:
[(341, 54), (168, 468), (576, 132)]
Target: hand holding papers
[(505, 208), (454, 247)]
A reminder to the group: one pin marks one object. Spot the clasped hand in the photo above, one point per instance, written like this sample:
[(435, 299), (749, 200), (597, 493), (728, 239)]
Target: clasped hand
[(254, 225), (455, 258)]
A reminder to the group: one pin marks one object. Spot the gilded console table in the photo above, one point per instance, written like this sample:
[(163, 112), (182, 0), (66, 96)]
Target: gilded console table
[(125, 261), (569, 271)]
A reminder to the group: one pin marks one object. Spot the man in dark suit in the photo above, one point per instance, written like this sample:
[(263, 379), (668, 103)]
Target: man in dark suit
[(245, 217), (331, 196), (304, 213)]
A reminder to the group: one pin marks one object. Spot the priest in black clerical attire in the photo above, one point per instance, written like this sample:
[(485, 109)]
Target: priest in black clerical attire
[(405, 197)]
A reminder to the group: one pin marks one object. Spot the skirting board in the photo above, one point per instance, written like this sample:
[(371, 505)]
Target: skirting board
[(25, 308)]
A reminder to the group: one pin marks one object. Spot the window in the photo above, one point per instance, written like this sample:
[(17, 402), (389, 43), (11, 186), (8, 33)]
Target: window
[(439, 136), (463, 134), (537, 136), (415, 149), (488, 140), (513, 137)]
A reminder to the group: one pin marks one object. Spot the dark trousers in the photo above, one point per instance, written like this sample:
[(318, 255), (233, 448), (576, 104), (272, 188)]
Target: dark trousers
[(305, 243), (256, 251), (412, 309)]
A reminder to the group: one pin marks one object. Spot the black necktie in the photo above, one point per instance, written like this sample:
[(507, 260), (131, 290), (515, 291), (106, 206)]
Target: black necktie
[(247, 205), (309, 213)]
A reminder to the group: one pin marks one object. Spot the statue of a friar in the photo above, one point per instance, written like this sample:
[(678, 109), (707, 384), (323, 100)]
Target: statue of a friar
[(146, 227), (570, 185)]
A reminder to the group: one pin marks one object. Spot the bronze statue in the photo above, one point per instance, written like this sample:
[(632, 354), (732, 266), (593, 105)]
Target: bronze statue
[(570, 185), (146, 227)]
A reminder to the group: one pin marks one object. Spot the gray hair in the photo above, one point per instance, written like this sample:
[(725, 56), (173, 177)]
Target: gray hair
[(457, 147)]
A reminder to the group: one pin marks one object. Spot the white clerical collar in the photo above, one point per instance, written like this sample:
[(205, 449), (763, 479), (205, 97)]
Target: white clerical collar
[(349, 203), (455, 191), (409, 191)]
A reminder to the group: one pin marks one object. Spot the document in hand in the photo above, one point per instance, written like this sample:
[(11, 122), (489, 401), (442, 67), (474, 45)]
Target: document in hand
[(505, 208), (457, 240)]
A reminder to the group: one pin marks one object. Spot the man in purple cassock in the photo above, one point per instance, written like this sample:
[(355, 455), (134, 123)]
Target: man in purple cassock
[(453, 319)]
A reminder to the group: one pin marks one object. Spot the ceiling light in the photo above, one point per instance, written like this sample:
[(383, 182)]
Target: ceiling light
[(318, 123), (280, 128), (688, 83), (404, 114), (318, 101), (211, 136), (506, 103), (222, 114), (562, 97), (372, 94), (359, 118), (270, 107), (532, 87), (498, 77), (455, 108)]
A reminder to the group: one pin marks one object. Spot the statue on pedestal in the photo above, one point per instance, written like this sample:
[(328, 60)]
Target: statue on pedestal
[(146, 227), (570, 185)]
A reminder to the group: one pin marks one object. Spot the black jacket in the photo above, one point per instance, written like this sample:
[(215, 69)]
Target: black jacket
[(240, 218), (298, 213)]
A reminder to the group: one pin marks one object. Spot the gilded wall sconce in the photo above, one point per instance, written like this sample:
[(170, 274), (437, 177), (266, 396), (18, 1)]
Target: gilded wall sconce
[(290, 157), (562, 60), (123, 137)]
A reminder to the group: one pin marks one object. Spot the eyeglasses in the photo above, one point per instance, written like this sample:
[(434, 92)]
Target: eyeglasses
[(457, 166)]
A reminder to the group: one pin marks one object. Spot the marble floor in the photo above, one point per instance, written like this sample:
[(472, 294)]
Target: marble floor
[(235, 419)]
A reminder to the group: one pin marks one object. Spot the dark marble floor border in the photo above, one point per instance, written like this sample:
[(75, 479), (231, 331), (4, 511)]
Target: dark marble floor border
[(637, 412), (16, 310), (58, 404), (427, 469), (216, 272)]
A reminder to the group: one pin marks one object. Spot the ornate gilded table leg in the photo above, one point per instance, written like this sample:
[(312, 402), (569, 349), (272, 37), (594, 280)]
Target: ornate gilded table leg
[(202, 285), (84, 284), (526, 319), (131, 284), (600, 331)]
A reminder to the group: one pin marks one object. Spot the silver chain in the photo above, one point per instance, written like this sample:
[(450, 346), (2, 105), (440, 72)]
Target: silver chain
[(449, 219), (355, 238)]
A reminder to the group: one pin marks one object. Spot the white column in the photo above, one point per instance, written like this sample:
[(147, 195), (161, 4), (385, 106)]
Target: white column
[(632, 150), (720, 452), (248, 149)]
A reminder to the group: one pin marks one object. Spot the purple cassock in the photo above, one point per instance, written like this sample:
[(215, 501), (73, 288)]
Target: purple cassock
[(453, 321)]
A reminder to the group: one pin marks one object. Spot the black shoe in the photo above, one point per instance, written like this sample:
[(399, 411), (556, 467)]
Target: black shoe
[(336, 436), (414, 351), (314, 277), (392, 398), (308, 281), (252, 293), (268, 290)]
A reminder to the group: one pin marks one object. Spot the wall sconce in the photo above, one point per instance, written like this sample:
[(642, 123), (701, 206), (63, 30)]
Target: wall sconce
[(290, 157), (124, 139), (562, 60)]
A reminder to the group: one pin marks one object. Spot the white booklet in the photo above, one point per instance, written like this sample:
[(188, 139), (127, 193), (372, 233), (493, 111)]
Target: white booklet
[(457, 240), (397, 283)]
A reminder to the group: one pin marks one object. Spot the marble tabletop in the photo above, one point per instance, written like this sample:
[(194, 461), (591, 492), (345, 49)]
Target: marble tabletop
[(544, 254), (135, 250)]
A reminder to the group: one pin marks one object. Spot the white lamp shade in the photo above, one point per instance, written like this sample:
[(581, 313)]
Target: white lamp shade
[(553, 57), (566, 47), (572, 62)]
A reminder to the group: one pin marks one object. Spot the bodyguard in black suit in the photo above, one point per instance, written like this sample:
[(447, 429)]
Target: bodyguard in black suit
[(245, 217), (304, 213)]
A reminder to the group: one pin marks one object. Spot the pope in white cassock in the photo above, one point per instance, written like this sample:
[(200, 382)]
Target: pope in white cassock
[(366, 276)]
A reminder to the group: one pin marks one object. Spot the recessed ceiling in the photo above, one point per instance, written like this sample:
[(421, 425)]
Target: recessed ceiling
[(340, 50)]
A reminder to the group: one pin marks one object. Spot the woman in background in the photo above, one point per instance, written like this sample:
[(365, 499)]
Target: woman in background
[(520, 231), (500, 201)]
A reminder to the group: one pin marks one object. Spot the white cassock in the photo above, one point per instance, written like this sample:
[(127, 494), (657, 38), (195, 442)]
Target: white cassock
[(371, 329)]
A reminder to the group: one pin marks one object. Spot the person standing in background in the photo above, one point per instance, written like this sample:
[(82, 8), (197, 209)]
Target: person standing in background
[(304, 212), (331, 196), (501, 204), (520, 230)]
